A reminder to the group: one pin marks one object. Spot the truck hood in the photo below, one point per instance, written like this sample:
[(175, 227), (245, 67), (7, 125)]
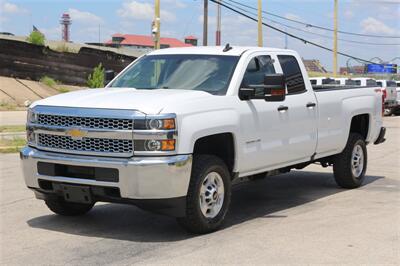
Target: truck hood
[(146, 101)]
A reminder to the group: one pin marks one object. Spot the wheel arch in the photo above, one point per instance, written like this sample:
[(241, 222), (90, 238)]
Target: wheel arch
[(221, 145), (360, 124)]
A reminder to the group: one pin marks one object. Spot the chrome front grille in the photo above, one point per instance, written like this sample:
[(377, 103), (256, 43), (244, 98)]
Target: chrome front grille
[(93, 145), (85, 122), (83, 131)]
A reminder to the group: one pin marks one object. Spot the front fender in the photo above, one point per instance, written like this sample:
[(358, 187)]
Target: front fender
[(198, 125)]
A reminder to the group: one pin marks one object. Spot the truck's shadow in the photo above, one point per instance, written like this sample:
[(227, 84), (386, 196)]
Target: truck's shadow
[(262, 198)]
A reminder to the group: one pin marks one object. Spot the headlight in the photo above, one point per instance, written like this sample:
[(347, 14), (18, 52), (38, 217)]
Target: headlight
[(155, 124), (31, 116), (30, 136), (161, 123), (155, 134)]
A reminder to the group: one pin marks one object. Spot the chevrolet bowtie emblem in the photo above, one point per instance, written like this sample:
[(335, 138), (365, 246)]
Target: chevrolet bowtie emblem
[(76, 133)]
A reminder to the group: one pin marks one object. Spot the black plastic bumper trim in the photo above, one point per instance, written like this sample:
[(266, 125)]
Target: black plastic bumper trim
[(175, 207)]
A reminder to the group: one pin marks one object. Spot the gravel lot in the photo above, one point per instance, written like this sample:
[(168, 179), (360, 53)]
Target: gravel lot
[(297, 218)]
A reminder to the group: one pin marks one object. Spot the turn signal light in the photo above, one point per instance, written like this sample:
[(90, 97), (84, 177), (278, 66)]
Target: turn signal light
[(169, 123), (168, 145)]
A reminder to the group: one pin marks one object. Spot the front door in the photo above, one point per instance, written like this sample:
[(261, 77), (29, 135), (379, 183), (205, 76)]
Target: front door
[(276, 136)]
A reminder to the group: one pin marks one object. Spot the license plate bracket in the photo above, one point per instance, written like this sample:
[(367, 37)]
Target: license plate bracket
[(77, 194)]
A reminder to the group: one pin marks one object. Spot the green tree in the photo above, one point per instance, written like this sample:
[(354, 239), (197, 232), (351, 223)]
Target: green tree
[(96, 79), (36, 37)]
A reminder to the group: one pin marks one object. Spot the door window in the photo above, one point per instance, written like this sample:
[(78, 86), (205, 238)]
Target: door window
[(257, 68), (294, 77)]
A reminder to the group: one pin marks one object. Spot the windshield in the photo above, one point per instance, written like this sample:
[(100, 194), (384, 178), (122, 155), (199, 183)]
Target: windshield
[(209, 73)]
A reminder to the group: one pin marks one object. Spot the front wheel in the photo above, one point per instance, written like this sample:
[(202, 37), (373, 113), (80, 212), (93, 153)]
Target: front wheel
[(349, 167), (209, 195)]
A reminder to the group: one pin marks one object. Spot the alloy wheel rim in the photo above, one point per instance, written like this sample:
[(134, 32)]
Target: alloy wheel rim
[(212, 193), (357, 161)]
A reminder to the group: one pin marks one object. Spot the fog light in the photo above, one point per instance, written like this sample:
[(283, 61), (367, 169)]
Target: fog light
[(160, 145), (153, 145)]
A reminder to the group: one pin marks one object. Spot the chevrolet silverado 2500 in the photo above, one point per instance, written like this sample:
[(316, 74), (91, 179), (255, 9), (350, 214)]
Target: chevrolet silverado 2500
[(174, 130)]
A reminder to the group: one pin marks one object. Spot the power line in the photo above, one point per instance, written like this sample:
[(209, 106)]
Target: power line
[(290, 34), (316, 26), (315, 33)]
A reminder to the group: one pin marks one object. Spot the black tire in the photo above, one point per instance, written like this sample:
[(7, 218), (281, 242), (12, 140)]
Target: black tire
[(61, 207), (342, 163), (195, 221)]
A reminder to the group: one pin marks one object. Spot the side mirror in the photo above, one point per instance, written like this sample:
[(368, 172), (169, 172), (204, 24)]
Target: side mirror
[(276, 84), (108, 76), (273, 89)]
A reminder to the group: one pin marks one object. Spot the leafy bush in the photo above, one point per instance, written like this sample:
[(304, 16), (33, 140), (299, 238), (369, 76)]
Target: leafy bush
[(36, 37), (48, 81), (96, 79), (64, 48)]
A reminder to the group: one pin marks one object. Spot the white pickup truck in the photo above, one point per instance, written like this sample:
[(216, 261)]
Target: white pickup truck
[(178, 127)]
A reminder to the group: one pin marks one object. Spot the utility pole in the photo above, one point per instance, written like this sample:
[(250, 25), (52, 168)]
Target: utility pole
[(286, 39), (218, 32), (260, 37), (205, 23), (157, 24), (335, 17)]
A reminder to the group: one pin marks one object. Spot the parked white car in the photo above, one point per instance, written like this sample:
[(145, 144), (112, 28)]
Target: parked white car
[(320, 81), (178, 127), (390, 94), (398, 97), (365, 82)]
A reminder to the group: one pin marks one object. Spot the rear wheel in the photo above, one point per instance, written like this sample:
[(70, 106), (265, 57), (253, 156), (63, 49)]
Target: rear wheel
[(349, 167), (208, 197), (61, 207)]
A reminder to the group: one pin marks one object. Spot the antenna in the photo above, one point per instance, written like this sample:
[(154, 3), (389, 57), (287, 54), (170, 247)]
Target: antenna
[(227, 48)]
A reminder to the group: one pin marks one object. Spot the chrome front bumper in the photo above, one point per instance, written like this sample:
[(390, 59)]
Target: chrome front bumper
[(139, 177)]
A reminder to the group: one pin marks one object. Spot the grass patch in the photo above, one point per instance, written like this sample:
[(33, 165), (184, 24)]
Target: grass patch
[(6, 129), (48, 81), (64, 48), (6, 106), (11, 145), (63, 90)]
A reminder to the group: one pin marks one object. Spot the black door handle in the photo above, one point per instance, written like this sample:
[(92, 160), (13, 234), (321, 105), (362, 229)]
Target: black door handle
[(308, 105), (282, 108)]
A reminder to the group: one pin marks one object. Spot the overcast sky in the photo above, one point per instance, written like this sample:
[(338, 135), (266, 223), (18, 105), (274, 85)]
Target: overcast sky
[(184, 17)]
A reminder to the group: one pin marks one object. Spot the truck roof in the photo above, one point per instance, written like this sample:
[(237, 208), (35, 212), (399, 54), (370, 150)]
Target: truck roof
[(216, 50)]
